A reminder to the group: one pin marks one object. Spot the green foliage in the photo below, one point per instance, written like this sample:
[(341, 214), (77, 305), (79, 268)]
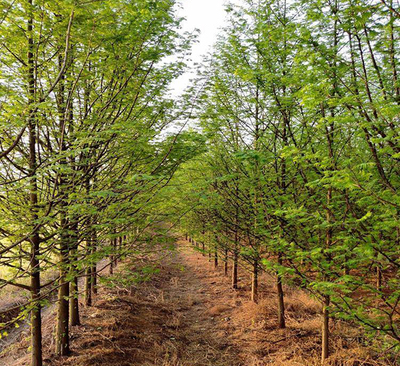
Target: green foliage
[(299, 105)]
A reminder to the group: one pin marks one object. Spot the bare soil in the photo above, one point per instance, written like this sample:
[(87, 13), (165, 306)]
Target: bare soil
[(188, 315)]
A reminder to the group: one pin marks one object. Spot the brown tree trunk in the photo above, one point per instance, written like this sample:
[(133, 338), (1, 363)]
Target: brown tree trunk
[(36, 318), (112, 256), (74, 284), (325, 330), (235, 270), (254, 282), (226, 263), (281, 303), (74, 303), (215, 258), (62, 330), (94, 266), (88, 276)]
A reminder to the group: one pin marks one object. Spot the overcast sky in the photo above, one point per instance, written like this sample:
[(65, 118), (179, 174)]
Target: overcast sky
[(208, 16)]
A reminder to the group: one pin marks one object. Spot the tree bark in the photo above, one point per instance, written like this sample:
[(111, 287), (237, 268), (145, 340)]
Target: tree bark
[(36, 318), (62, 330), (235, 270), (226, 263), (325, 329), (254, 282), (74, 284), (94, 265), (281, 303), (88, 276), (74, 303)]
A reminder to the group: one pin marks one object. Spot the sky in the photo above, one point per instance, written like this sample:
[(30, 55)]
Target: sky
[(207, 16)]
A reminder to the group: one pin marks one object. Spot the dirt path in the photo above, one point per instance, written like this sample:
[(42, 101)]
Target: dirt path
[(172, 320), (187, 315)]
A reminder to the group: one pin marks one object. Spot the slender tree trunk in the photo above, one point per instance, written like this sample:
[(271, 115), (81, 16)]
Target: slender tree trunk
[(62, 330), (226, 263), (112, 257), (325, 329), (326, 302), (235, 269), (74, 284), (120, 247), (74, 303), (254, 282), (88, 275), (215, 258), (94, 266), (36, 318), (281, 303)]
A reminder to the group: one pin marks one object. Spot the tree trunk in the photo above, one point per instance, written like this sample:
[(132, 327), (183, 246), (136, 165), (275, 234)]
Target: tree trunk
[(74, 284), (62, 330), (88, 276), (112, 256), (215, 258), (120, 247), (74, 303), (94, 266), (36, 317), (325, 329), (254, 282), (281, 303), (226, 263), (235, 270)]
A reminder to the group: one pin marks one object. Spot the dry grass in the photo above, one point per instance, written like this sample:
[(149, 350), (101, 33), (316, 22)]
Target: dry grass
[(194, 318)]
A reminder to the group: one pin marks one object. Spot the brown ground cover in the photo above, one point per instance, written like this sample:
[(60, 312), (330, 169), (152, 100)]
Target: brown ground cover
[(187, 315)]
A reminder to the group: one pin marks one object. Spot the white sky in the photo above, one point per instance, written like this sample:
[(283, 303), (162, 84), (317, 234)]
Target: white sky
[(207, 16)]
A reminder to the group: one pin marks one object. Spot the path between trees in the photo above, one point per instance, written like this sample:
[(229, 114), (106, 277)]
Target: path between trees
[(175, 319), (187, 315)]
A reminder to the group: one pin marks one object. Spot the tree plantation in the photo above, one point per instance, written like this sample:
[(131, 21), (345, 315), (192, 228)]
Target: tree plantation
[(252, 220)]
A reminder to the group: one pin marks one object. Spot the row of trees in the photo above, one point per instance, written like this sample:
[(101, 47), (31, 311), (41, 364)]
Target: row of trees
[(83, 148), (300, 106)]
